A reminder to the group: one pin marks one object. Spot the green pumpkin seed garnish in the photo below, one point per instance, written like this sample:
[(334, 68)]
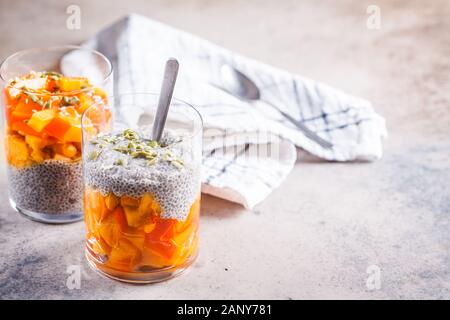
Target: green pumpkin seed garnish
[(51, 73), (178, 163), (130, 134), (130, 144), (65, 101), (153, 144), (74, 100), (121, 162), (121, 150), (93, 155), (33, 97), (152, 161), (144, 154)]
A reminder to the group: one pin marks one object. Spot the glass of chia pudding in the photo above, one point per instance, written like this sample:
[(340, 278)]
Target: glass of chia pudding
[(44, 93), (142, 197)]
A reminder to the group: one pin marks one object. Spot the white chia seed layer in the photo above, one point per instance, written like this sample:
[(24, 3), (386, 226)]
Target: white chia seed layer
[(174, 187), (52, 187)]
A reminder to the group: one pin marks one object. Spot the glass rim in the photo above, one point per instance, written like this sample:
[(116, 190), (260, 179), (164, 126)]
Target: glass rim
[(55, 48), (182, 102)]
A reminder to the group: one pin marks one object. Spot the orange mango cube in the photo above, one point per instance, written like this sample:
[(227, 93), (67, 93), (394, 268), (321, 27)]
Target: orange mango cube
[(73, 134), (17, 151), (25, 108), (73, 84), (125, 253), (134, 236), (39, 120), (24, 129)]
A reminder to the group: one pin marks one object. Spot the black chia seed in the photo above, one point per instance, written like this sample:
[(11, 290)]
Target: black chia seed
[(52, 187)]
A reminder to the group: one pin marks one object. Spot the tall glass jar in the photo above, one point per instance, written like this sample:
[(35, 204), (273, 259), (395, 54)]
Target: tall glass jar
[(44, 93), (142, 197)]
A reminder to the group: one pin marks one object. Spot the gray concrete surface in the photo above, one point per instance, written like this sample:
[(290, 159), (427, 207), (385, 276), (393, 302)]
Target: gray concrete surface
[(318, 233)]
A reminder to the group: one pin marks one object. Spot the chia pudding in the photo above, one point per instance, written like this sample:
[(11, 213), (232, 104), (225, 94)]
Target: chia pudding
[(125, 167), (53, 187), (142, 204), (43, 143)]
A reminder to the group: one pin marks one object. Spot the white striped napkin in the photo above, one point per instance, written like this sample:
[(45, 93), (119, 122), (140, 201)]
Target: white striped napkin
[(249, 148)]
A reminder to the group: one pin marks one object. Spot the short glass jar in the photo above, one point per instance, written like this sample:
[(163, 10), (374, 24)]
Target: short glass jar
[(142, 197), (44, 93)]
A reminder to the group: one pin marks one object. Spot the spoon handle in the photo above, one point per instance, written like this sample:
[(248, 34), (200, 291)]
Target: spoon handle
[(168, 85)]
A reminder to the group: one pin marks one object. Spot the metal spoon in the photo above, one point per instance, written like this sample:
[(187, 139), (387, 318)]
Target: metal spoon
[(239, 85), (170, 77)]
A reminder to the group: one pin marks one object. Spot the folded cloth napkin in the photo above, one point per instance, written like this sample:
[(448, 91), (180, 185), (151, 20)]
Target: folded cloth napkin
[(249, 148)]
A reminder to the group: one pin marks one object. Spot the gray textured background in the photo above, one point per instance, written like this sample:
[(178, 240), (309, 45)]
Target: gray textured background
[(316, 235)]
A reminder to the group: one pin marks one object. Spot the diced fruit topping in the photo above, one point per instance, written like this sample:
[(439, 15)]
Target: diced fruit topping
[(132, 235), (49, 106), (73, 84), (24, 129), (125, 254), (39, 120), (66, 149), (111, 201), (17, 151)]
